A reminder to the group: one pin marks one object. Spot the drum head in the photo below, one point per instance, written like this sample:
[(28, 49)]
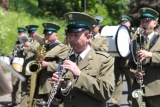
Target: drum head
[(123, 39), (6, 59)]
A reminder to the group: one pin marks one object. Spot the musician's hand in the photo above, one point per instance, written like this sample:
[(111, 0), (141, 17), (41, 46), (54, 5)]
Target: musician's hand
[(90, 41), (54, 78), (44, 64), (139, 75), (26, 44), (69, 65), (143, 54)]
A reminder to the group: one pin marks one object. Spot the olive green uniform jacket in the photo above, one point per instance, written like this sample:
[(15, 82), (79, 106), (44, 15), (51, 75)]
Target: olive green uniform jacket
[(152, 68), (151, 79), (100, 44), (95, 84), (52, 56), (29, 54), (16, 94)]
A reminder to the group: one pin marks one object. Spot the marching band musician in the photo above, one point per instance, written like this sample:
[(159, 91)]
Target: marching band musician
[(98, 43), (55, 51), (90, 75), (17, 52), (150, 56), (121, 69), (29, 55)]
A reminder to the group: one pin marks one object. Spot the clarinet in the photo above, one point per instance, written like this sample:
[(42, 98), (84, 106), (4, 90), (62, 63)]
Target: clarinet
[(61, 71), (139, 93)]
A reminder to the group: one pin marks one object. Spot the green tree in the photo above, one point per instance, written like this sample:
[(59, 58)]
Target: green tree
[(135, 5)]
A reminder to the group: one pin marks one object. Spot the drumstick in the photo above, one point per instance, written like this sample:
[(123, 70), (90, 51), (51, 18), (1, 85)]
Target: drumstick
[(10, 69)]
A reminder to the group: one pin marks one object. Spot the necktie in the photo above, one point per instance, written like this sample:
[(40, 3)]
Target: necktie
[(78, 59), (146, 46), (92, 37)]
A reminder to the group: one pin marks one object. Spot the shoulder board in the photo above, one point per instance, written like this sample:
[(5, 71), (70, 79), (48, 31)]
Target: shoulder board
[(61, 44), (103, 53)]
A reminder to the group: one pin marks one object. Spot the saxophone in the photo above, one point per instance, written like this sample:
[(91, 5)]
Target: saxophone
[(34, 66), (139, 93), (61, 72)]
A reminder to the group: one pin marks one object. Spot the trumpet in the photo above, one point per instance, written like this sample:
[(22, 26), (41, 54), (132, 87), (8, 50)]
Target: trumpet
[(139, 93)]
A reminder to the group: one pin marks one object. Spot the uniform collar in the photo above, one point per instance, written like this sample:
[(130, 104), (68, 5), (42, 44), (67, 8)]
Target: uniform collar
[(53, 43), (84, 53), (97, 35), (150, 35)]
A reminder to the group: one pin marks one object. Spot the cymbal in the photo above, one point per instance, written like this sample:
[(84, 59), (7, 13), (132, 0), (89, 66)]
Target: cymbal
[(5, 86)]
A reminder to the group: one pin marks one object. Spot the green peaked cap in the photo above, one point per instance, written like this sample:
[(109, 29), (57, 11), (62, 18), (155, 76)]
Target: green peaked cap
[(51, 27), (126, 18), (21, 29), (146, 12), (78, 21)]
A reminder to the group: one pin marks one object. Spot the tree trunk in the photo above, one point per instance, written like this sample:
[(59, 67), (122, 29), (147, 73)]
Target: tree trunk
[(100, 2), (4, 4), (40, 4)]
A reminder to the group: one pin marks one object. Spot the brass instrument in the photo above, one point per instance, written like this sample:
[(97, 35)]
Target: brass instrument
[(139, 93), (34, 66)]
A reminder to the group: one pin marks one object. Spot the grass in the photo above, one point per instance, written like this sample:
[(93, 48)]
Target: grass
[(10, 21)]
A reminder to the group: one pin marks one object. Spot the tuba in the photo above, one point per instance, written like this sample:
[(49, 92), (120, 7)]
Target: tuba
[(34, 66), (139, 93)]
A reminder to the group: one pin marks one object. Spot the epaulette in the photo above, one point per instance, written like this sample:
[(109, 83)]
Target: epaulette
[(103, 53), (61, 44)]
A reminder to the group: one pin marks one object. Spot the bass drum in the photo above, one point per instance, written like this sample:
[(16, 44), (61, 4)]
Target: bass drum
[(17, 63), (5, 59), (119, 40)]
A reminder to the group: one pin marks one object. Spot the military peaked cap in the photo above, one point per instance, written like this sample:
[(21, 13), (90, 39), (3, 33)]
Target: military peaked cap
[(32, 28), (78, 21), (126, 18), (21, 29), (148, 13), (50, 28)]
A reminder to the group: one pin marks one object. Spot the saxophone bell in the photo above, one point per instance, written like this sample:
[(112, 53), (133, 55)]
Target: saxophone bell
[(33, 67), (137, 93)]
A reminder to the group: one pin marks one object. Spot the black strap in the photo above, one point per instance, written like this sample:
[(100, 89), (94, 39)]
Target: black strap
[(52, 46), (153, 41)]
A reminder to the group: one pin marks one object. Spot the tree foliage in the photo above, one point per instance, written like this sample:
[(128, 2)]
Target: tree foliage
[(24, 12), (135, 5)]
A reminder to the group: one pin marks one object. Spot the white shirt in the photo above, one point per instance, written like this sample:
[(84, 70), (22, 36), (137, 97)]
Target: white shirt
[(150, 36), (84, 53), (97, 35)]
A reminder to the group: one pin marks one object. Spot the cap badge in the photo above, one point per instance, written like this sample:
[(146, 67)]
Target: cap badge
[(70, 16)]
